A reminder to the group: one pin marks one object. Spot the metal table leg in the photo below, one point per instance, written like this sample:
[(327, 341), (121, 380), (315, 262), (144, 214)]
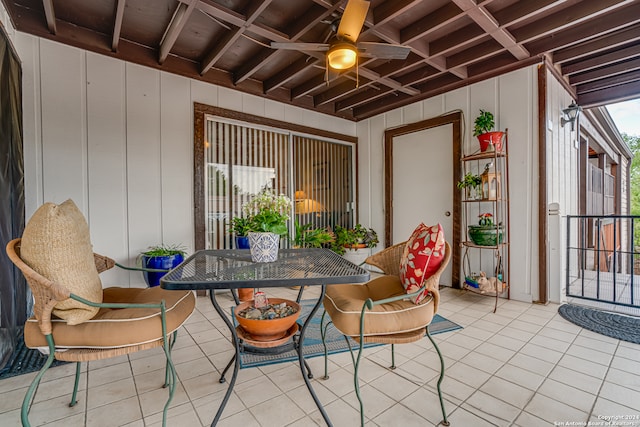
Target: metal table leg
[(236, 365), (302, 362)]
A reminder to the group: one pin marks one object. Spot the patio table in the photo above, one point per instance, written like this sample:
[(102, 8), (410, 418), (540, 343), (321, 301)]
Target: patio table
[(233, 269)]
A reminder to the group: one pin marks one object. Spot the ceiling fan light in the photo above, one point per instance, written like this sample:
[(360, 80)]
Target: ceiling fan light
[(342, 56)]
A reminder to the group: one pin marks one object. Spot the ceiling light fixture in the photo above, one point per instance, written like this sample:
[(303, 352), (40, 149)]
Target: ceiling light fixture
[(570, 113), (342, 56)]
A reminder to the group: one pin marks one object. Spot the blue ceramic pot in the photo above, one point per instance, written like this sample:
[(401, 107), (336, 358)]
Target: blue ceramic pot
[(159, 262), (242, 242)]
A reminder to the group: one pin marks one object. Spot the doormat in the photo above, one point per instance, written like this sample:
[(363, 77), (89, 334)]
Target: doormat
[(24, 360), (335, 341), (625, 328)]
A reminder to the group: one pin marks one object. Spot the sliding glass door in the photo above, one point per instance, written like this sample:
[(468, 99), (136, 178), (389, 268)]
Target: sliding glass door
[(241, 159)]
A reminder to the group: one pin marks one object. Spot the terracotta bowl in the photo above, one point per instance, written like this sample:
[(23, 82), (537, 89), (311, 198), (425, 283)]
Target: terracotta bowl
[(267, 330)]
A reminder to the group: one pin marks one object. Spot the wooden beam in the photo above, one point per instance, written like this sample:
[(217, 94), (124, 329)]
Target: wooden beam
[(419, 75), (434, 21), (338, 91), (490, 25), (390, 10), (441, 84), (524, 9), (304, 24), (543, 228), (609, 82), (361, 97), (288, 73), (621, 18), (307, 87), (178, 21), (476, 53), (599, 73), (220, 49), (393, 84), (117, 24), (227, 42), (610, 58), (598, 45), (581, 13), (258, 61), (610, 95), (465, 36), (50, 15)]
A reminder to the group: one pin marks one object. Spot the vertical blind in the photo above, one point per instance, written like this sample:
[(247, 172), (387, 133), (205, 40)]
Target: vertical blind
[(241, 160), (323, 177)]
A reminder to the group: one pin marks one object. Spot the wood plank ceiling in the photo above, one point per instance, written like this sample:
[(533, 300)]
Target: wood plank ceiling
[(593, 44)]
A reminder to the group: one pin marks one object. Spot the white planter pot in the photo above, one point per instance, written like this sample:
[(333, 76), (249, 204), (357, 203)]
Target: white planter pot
[(357, 256), (264, 246)]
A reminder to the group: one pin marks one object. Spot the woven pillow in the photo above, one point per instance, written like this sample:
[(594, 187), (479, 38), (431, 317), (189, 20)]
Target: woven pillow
[(422, 256), (57, 245)]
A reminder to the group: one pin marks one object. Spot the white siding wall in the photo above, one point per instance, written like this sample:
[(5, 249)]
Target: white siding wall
[(117, 138), (562, 181), (513, 99)]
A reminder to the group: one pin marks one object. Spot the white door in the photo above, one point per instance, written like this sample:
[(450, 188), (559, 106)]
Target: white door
[(422, 184)]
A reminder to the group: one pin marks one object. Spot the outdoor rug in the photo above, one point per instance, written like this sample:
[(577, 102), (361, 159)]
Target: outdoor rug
[(24, 360), (626, 328), (312, 346)]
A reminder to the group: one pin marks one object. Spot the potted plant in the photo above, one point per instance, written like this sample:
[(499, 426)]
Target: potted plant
[(486, 233), (483, 129), (160, 257), (267, 215), (240, 227), (354, 243), (308, 237), (471, 184)]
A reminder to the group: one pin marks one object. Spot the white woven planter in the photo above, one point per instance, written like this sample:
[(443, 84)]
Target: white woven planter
[(264, 246), (357, 256)]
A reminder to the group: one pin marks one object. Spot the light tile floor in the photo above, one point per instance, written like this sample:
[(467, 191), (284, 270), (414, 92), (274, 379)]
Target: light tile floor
[(522, 366)]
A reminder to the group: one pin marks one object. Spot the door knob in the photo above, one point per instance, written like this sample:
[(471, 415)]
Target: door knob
[(447, 213)]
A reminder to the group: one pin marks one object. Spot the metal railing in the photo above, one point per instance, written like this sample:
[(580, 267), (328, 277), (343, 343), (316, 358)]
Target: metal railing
[(602, 263)]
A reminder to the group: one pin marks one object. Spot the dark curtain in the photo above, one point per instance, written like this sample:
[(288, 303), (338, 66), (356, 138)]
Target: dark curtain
[(13, 289)]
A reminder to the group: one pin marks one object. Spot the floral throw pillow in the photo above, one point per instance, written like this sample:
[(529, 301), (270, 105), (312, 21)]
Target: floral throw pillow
[(422, 256)]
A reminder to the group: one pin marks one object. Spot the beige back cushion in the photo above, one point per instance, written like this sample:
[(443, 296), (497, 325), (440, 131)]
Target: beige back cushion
[(57, 245)]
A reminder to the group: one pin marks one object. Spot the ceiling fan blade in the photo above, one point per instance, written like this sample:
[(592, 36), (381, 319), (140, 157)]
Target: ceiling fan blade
[(313, 47), (383, 50), (353, 19)]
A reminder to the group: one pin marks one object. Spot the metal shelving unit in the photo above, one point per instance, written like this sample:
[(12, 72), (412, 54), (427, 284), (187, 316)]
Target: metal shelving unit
[(492, 259)]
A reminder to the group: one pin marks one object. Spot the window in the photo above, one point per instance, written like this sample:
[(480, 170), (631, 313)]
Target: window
[(238, 158)]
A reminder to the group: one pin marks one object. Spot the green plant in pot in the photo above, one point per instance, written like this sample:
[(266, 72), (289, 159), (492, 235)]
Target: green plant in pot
[(354, 238), (486, 233), (267, 216), (161, 257), (483, 129), (268, 213), (471, 184), (240, 227), (308, 237)]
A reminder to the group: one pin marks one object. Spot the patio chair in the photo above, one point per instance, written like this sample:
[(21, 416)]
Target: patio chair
[(381, 312), (129, 320)]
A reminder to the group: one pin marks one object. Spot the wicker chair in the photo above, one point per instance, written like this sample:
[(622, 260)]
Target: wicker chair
[(350, 305), (143, 319)]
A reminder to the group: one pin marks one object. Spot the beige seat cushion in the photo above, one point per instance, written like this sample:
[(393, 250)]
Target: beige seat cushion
[(56, 244), (344, 304), (119, 327)]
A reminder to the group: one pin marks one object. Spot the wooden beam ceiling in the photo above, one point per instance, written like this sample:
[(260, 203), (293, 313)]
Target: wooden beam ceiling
[(594, 45)]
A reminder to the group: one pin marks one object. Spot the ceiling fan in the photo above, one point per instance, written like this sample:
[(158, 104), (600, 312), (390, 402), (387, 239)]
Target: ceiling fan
[(344, 49)]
